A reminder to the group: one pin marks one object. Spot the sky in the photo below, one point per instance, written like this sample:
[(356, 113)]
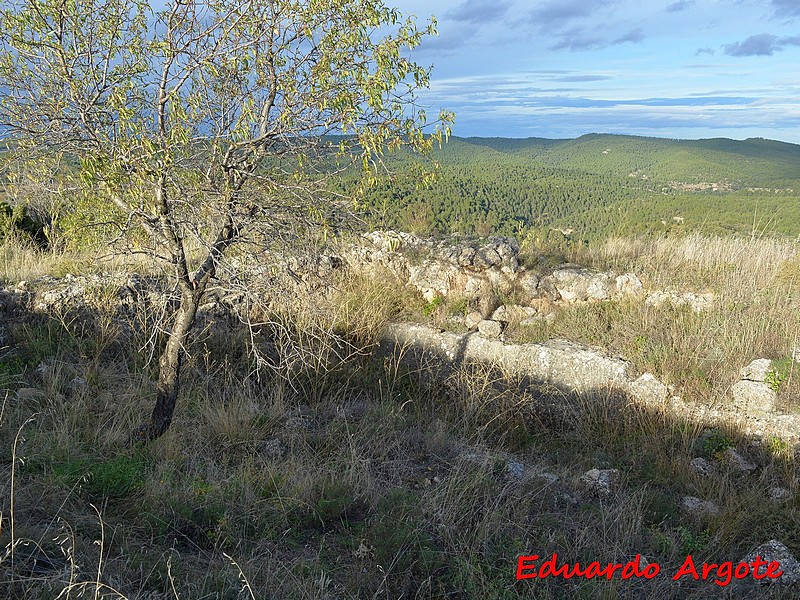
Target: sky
[(683, 69)]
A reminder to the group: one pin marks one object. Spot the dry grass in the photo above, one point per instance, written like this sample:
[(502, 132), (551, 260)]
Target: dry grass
[(755, 312), (367, 479)]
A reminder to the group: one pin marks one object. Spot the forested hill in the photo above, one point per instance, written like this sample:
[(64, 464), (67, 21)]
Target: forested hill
[(599, 185), (748, 163)]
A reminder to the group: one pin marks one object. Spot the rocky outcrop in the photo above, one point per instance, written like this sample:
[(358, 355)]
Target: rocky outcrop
[(648, 388), (490, 329), (698, 302), (444, 267), (479, 270), (753, 393), (775, 551), (574, 368), (559, 362), (573, 283)]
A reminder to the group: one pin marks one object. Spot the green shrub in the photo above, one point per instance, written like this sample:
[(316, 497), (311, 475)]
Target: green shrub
[(16, 220), (432, 306), (715, 442), (691, 542), (779, 373)]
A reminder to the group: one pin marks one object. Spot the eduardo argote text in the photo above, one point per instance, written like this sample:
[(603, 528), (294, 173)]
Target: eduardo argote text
[(536, 567)]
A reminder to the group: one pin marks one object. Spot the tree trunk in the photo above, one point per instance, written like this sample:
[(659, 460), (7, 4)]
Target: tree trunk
[(169, 366)]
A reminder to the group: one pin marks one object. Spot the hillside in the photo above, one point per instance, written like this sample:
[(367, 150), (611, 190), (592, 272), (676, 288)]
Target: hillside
[(413, 453), (743, 164), (598, 185)]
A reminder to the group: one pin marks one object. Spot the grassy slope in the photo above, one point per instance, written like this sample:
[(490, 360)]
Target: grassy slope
[(374, 481)]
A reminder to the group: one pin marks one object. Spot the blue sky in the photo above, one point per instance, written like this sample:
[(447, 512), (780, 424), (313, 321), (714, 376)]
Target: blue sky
[(666, 68)]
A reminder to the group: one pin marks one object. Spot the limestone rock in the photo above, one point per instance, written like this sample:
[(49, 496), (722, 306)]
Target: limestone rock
[(697, 302), (699, 508), (754, 397), (433, 278), (559, 362), (487, 257), (628, 284), (649, 389), (513, 313), (779, 495), (528, 284), (736, 461), (774, 550), (757, 370), (465, 257), (490, 329), (600, 482), (391, 241), (472, 319), (702, 466), (483, 300), (574, 283)]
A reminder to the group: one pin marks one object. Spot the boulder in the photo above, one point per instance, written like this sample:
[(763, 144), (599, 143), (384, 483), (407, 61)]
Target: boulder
[(465, 257), (513, 313), (574, 283), (775, 551), (649, 389), (756, 370), (484, 301), (486, 258), (528, 285), (754, 397), (433, 278), (490, 329), (600, 482), (628, 284), (699, 508), (472, 319)]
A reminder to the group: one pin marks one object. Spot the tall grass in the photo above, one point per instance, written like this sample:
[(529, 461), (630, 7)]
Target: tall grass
[(756, 287)]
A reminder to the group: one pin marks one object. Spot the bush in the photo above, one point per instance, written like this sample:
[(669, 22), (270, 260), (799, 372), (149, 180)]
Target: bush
[(17, 221)]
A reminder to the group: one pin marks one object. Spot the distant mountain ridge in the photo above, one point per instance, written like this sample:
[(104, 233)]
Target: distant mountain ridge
[(754, 162), (599, 185)]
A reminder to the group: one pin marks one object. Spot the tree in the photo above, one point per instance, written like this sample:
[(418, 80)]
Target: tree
[(210, 123)]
